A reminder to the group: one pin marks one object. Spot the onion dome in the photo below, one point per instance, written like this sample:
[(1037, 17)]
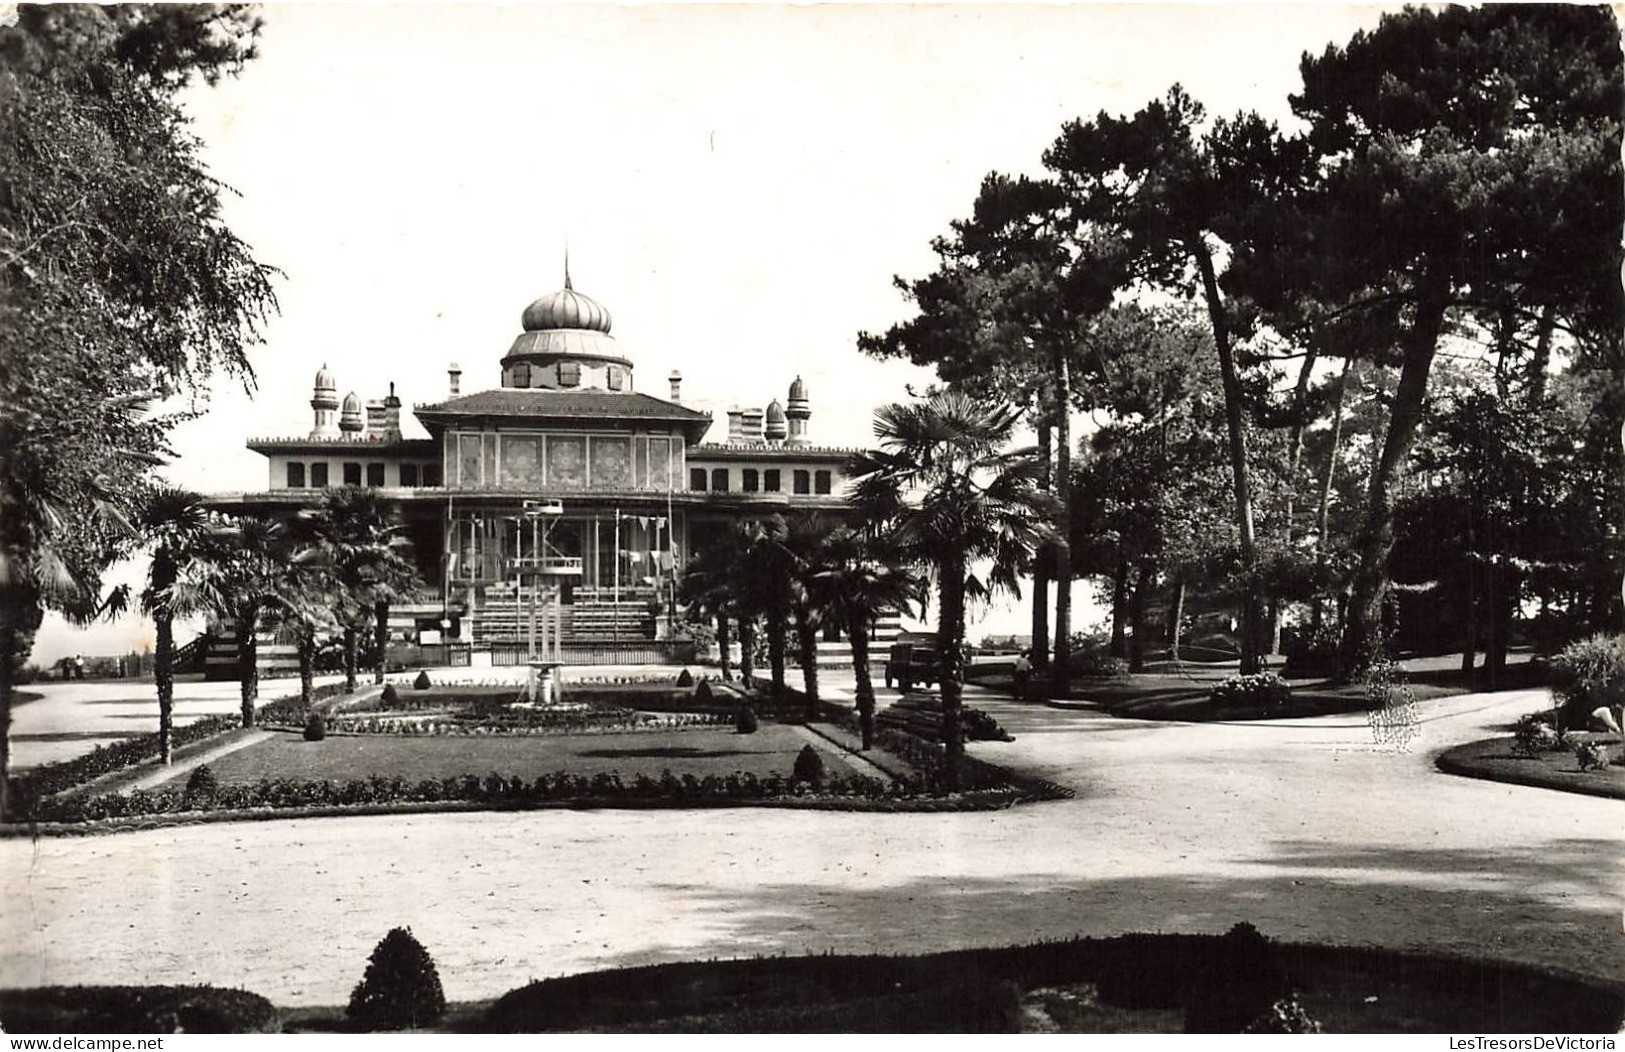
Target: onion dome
[(325, 380), (798, 390), (776, 426), (566, 344), (566, 309)]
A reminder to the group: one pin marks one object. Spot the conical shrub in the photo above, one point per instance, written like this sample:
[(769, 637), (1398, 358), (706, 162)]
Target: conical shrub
[(809, 766), (401, 988)]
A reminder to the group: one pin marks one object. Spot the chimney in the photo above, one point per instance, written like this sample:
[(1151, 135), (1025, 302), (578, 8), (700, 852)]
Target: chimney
[(676, 386), (376, 414), (736, 431), (454, 374), (392, 416), (753, 426)]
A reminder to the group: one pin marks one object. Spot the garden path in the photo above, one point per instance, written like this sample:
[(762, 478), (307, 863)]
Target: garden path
[(1303, 827)]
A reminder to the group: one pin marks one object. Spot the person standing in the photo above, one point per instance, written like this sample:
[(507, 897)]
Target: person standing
[(1021, 677)]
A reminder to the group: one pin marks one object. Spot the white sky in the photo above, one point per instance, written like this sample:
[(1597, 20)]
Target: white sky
[(738, 185)]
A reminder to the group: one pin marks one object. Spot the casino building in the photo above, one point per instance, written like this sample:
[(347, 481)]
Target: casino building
[(567, 480)]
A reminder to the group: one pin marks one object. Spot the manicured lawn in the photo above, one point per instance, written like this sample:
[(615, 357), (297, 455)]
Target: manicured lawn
[(771, 750), (1493, 759)]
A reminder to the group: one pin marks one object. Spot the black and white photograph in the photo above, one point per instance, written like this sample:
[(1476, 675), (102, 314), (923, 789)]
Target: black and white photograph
[(767, 518)]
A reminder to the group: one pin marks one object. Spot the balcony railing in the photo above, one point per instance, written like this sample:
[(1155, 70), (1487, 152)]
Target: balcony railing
[(546, 565)]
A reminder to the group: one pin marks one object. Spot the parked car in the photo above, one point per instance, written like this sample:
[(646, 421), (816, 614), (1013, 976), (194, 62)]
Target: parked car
[(912, 661)]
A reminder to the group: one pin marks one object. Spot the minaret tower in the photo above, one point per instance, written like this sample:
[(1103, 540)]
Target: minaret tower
[(797, 411), (325, 402)]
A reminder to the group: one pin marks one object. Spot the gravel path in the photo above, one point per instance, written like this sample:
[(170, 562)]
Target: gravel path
[(1303, 828)]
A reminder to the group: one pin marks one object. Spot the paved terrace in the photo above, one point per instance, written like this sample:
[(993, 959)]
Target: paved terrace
[(1302, 827)]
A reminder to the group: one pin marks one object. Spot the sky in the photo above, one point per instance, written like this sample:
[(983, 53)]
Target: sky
[(738, 185)]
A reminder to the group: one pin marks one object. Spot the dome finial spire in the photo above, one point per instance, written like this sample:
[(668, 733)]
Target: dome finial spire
[(567, 264)]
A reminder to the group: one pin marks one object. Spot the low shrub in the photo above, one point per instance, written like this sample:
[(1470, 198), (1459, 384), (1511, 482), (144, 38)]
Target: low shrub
[(745, 720), (1592, 756), (202, 785), (703, 693), (135, 1010), (1285, 1016), (421, 682), (390, 696), (809, 766), (1587, 674), (1090, 657), (1533, 735), (1264, 690), (492, 791), (685, 678), (315, 728), (401, 987), (1314, 653), (1236, 983)]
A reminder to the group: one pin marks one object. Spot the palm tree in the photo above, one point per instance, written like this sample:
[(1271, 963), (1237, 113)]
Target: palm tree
[(70, 490), (860, 576), (955, 498), (366, 557), (301, 603), (763, 588), (805, 538), (707, 590), (185, 578), (250, 580)]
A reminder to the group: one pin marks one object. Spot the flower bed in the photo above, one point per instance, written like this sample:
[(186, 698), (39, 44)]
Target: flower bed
[(492, 791), (26, 791), (520, 722)]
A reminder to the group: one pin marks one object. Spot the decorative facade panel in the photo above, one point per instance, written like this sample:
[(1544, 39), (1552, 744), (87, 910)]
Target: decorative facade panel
[(567, 461), (659, 463), (611, 462), (468, 461), (522, 461)]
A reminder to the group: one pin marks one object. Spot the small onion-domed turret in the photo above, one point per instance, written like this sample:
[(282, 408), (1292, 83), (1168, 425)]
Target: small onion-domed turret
[(350, 420), (776, 428)]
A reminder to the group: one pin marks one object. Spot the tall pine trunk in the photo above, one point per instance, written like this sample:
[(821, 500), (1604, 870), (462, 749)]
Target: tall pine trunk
[(248, 661), (1300, 408), (1362, 630), (1328, 475), (1119, 643), (9, 645), (1146, 574), (1041, 563), (1176, 622), (1061, 653), (1241, 475), (163, 675), (857, 629), (951, 637)]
